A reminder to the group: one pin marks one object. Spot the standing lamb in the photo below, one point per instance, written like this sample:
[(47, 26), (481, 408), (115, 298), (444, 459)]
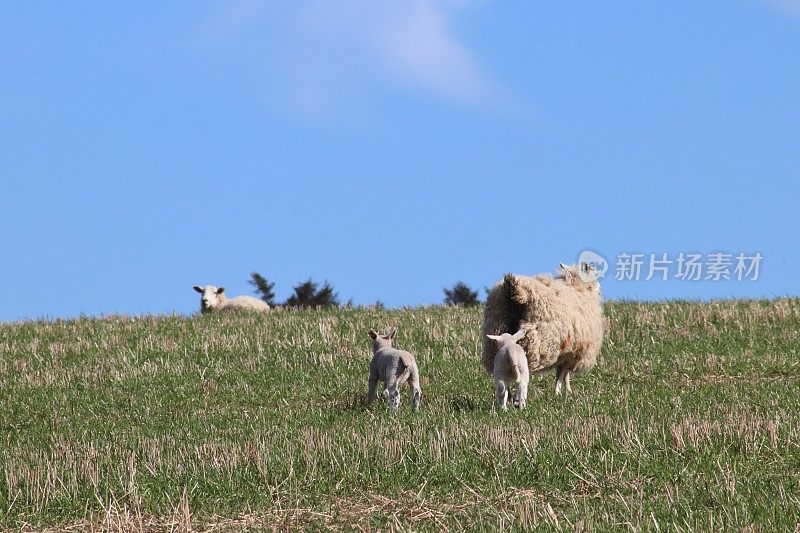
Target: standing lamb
[(394, 367), (214, 299), (562, 318), (510, 366)]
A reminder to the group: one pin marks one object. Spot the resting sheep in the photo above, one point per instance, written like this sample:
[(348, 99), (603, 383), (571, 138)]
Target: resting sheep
[(394, 367), (562, 318), (510, 366), (214, 299)]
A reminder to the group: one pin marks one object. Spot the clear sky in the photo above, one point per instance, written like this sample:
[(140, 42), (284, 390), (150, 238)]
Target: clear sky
[(392, 148)]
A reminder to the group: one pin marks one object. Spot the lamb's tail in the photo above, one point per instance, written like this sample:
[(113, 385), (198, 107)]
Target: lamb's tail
[(515, 369)]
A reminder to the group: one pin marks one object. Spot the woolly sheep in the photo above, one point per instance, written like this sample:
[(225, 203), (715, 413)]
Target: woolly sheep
[(510, 366), (394, 367), (214, 299), (562, 318)]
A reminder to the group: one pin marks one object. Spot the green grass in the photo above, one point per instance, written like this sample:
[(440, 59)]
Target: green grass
[(689, 421)]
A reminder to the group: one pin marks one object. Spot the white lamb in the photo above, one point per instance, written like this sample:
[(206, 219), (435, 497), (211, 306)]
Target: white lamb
[(214, 299), (394, 367), (510, 366)]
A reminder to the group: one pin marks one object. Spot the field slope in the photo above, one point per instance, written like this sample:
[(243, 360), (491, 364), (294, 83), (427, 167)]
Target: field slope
[(691, 420)]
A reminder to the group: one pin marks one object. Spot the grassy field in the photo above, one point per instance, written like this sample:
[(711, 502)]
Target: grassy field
[(691, 420)]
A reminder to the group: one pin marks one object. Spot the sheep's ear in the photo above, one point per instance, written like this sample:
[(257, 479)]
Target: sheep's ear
[(373, 334), (198, 288), (391, 334), (220, 290), (518, 335), (563, 265)]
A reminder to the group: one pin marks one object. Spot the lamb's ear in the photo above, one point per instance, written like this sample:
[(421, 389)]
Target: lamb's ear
[(198, 288), (391, 334), (220, 290), (495, 338), (518, 335), (373, 334)]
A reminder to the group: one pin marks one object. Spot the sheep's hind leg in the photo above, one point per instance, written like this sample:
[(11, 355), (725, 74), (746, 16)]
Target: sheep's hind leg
[(561, 372), (566, 383)]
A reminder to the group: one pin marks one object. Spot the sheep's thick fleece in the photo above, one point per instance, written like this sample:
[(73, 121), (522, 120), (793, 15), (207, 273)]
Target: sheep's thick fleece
[(562, 318)]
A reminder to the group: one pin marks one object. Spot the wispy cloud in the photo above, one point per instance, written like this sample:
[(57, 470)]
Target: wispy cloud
[(416, 44), (329, 54)]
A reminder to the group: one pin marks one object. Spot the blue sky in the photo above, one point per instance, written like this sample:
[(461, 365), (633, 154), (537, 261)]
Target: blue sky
[(392, 148)]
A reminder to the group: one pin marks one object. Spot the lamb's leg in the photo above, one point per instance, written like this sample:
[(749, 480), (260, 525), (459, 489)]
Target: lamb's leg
[(415, 395), (414, 390), (522, 394), (501, 394), (373, 384), (394, 397), (392, 392)]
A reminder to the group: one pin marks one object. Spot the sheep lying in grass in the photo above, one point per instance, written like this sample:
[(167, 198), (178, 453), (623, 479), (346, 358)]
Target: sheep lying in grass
[(394, 367), (510, 366), (214, 299), (562, 318)]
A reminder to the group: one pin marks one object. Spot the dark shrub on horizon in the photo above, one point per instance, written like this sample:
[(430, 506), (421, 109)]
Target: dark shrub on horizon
[(462, 295)]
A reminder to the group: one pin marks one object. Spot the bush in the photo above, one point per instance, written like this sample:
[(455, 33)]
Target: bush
[(263, 288), (307, 295), (461, 295)]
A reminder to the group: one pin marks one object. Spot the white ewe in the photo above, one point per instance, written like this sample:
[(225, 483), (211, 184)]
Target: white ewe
[(510, 366), (562, 319), (214, 299), (394, 367)]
